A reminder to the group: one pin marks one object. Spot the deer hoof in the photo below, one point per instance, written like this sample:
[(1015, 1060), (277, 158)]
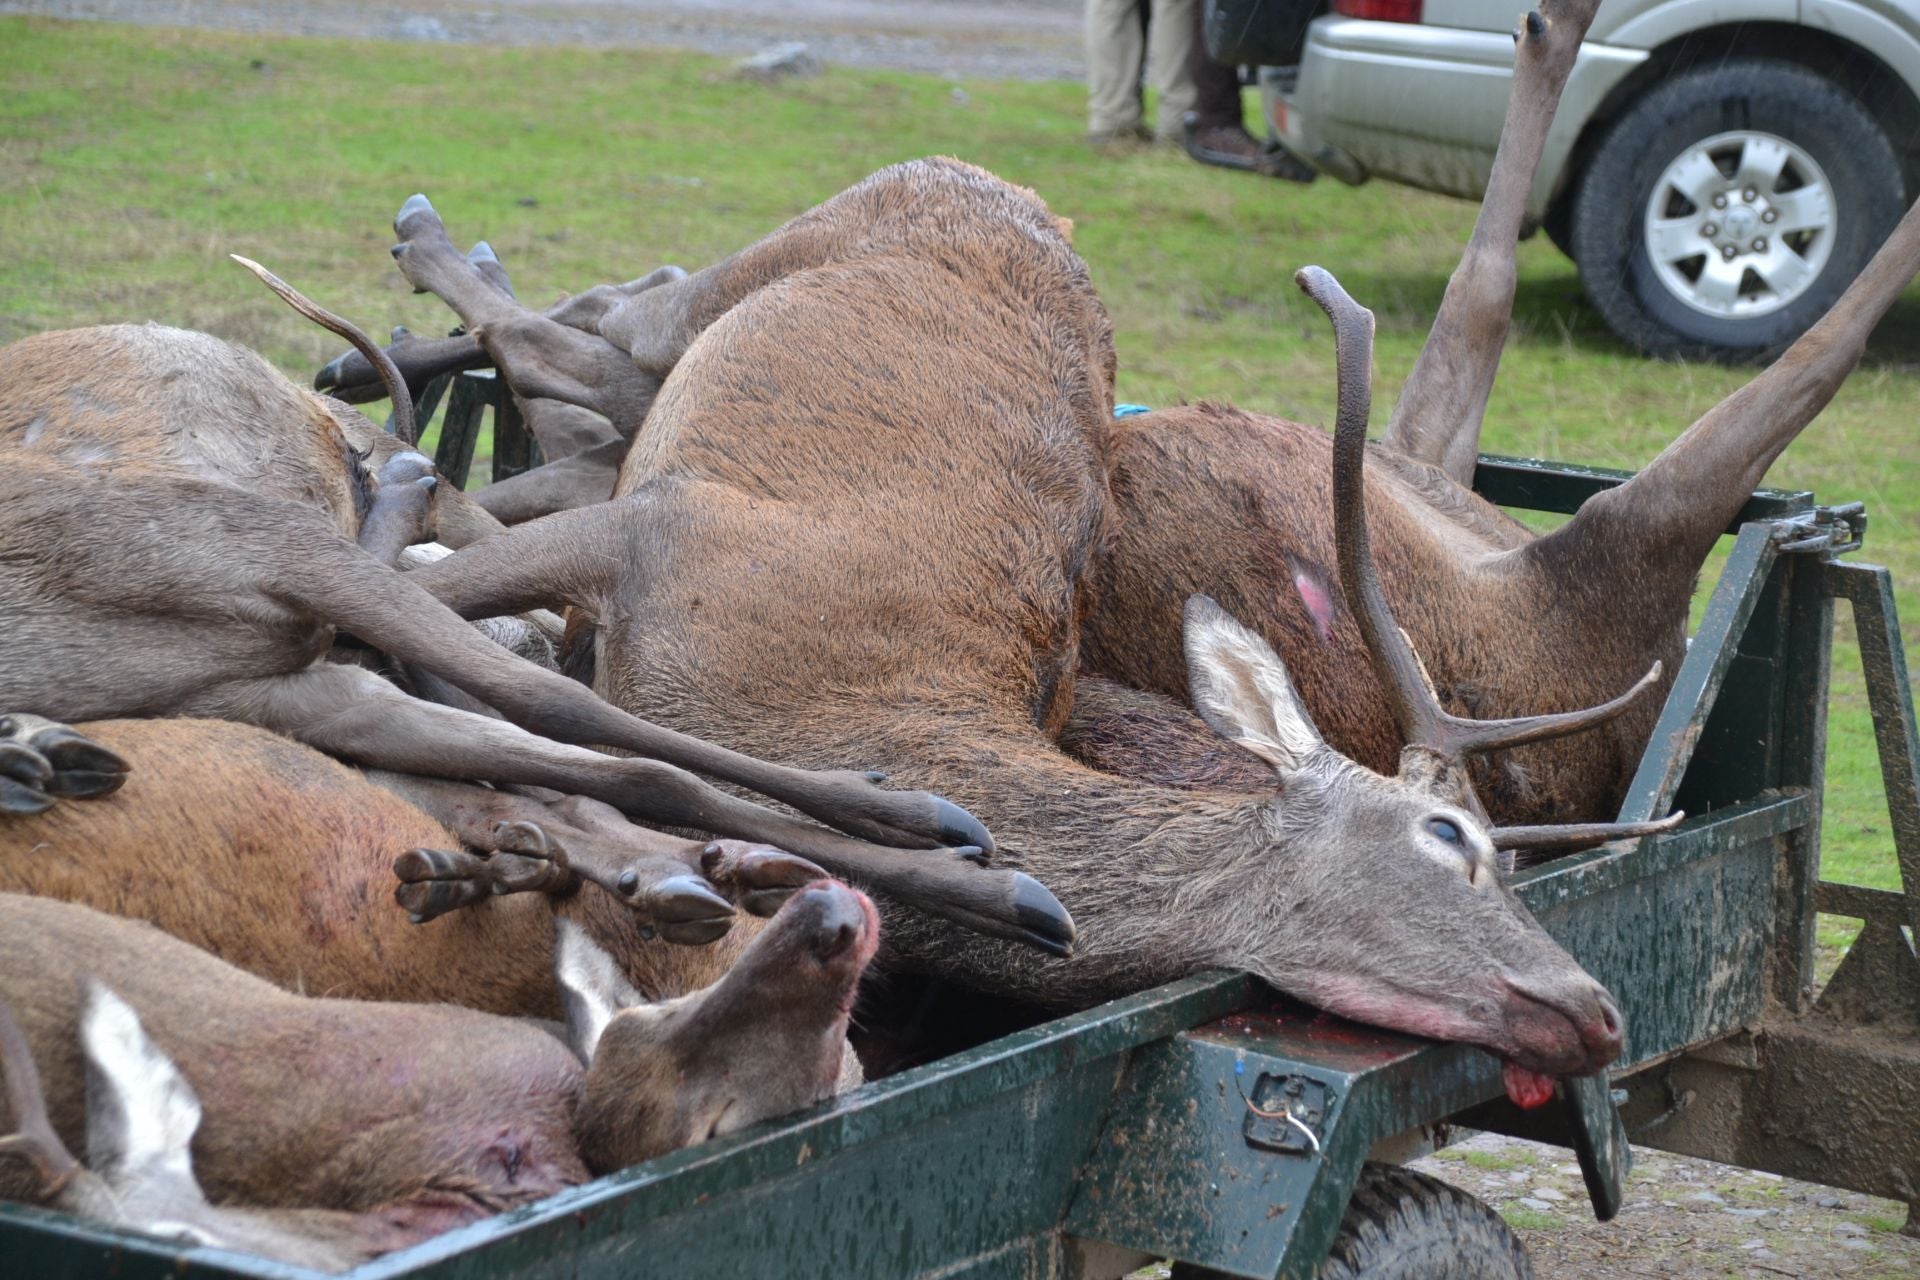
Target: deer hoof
[(21, 799), (408, 467), (972, 853), (759, 878), (956, 827), (416, 218), (686, 911), (41, 760), (1044, 923)]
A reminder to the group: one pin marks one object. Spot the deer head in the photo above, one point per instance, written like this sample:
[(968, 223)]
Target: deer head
[(767, 1039), (1442, 946)]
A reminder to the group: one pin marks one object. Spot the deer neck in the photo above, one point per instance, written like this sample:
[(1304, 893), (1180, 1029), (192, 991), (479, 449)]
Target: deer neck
[(1136, 862)]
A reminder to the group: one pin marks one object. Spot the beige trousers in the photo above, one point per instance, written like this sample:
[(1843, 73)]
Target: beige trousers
[(1116, 50)]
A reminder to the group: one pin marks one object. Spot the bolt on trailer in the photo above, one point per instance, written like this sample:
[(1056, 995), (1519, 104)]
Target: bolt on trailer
[(1239, 1133)]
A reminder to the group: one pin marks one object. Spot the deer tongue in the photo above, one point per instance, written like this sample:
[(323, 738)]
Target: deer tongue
[(1528, 1089)]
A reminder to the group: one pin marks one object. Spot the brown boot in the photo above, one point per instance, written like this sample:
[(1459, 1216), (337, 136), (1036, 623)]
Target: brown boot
[(1231, 147)]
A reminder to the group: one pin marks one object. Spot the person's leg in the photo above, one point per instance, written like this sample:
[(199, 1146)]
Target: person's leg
[(1174, 52), (1215, 130), (1216, 88), (1115, 45)]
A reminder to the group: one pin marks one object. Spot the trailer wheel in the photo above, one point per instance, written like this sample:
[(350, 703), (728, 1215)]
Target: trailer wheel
[(1402, 1225)]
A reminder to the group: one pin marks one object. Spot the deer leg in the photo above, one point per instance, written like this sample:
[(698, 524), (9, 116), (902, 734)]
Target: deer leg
[(434, 882), (562, 429), (352, 713), (1437, 419), (42, 760), (540, 357), (402, 509), (1665, 519), (352, 378), (528, 567), (579, 480), (663, 879)]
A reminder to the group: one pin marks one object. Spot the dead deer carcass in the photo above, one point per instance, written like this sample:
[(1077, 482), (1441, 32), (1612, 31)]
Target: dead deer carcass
[(175, 525), (867, 495), (282, 861), (141, 1117), (1215, 500), (467, 1113)]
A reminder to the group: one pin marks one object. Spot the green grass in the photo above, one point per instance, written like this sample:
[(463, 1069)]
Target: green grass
[(1521, 1218), (133, 160)]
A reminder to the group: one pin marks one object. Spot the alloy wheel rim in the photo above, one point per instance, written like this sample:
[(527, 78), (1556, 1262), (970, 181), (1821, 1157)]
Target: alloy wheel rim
[(1740, 224)]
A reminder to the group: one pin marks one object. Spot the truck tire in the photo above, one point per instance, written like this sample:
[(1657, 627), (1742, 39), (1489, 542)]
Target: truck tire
[(1402, 1225), (1727, 208)]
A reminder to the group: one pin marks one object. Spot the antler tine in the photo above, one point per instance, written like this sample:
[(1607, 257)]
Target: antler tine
[(1414, 706), (36, 1139), (403, 424), (1437, 418), (1422, 720), (1572, 836), (1459, 735)]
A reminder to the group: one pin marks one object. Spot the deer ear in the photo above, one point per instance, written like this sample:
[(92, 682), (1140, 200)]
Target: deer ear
[(1240, 688), (141, 1112), (592, 988)]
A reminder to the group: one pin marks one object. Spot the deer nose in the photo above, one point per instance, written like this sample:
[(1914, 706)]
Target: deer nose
[(1604, 1032), (839, 919)]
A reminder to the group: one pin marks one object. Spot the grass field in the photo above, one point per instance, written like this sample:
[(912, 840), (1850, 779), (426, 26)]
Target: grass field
[(132, 161)]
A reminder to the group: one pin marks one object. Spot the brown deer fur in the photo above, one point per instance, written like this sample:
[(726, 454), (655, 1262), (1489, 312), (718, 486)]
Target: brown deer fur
[(174, 539), (861, 511), (429, 1114), (280, 861)]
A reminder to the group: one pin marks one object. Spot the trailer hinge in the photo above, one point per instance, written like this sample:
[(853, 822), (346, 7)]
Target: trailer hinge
[(1823, 531)]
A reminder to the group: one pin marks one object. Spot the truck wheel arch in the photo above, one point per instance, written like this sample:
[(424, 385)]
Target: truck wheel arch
[(1879, 88)]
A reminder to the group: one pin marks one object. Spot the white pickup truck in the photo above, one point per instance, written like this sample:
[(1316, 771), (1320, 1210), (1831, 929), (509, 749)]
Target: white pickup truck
[(1718, 169)]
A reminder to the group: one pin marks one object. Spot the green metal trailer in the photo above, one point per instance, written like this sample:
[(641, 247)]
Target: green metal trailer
[(1215, 1123)]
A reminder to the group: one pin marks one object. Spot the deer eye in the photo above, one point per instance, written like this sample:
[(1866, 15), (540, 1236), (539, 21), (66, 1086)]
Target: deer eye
[(1445, 830)]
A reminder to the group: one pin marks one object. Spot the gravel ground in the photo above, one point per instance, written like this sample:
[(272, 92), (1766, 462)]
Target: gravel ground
[(1007, 39), (1683, 1219)]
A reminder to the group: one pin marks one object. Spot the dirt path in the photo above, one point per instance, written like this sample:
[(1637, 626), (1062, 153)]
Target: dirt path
[(1014, 39)]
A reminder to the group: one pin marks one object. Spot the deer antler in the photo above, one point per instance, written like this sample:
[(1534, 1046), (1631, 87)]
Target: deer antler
[(403, 424), (1437, 419), (1423, 722), (36, 1141)]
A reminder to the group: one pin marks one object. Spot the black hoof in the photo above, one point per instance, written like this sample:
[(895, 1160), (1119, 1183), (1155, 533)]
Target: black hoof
[(874, 776), (687, 912), (760, 880), (482, 252), (955, 826), (1044, 923), (20, 800), (82, 769), (24, 765), (329, 376)]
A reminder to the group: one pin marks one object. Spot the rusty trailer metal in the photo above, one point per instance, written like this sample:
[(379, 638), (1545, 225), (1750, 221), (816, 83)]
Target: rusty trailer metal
[(1213, 1122)]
